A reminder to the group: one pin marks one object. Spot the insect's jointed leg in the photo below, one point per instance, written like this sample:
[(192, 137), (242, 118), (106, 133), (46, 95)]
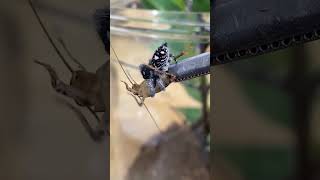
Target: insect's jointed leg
[(136, 99), (127, 87), (63, 88), (97, 133), (52, 72)]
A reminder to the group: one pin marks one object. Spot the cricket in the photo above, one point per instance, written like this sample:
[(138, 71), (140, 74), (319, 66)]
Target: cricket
[(85, 88), (155, 74)]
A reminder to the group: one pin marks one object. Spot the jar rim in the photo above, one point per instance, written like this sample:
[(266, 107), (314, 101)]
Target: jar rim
[(157, 24)]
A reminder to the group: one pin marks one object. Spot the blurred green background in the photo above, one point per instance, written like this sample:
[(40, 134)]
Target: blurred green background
[(266, 115)]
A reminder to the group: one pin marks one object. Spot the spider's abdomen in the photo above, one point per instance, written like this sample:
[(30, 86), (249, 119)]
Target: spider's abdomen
[(161, 58)]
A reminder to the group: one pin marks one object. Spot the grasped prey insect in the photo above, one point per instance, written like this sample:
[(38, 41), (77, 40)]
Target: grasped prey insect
[(155, 74), (86, 88), (147, 88)]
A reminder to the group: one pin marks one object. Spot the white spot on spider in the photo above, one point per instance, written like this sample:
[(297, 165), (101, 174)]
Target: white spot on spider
[(156, 57), (162, 52)]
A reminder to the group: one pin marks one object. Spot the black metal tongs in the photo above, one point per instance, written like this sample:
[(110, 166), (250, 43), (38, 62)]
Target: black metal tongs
[(247, 28)]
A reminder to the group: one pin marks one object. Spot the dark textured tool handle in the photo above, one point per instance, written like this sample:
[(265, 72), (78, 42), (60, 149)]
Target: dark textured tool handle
[(192, 67), (244, 28)]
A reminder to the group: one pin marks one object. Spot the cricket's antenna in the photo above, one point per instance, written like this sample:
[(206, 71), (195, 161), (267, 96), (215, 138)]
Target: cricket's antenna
[(121, 64), (102, 19), (61, 41), (128, 76), (49, 37), (153, 119), (131, 77)]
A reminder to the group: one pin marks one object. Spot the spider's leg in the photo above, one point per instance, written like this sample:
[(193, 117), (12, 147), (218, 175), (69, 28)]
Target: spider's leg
[(157, 70), (171, 76), (178, 56)]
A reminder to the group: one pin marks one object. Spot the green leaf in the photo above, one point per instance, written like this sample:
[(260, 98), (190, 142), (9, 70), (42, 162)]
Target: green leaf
[(178, 5), (147, 4), (193, 92), (192, 114), (252, 161), (164, 5), (201, 6), (270, 101)]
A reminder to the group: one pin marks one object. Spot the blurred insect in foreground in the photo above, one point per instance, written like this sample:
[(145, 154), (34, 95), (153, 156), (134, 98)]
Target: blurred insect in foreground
[(155, 75), (85, 88)]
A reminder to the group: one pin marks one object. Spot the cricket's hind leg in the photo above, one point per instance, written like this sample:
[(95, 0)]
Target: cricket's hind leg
[(96, 134), (128, 87), (64, 89), (140, 103), (54, 77)]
